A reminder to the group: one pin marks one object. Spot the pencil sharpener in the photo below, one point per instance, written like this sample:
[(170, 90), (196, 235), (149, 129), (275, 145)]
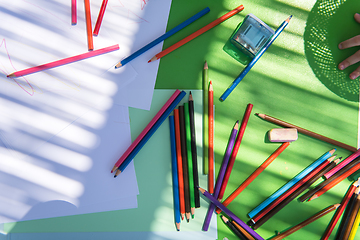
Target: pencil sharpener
[(249, 37)]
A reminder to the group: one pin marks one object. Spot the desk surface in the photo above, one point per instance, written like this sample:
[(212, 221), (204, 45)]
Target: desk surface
[(282, 84)]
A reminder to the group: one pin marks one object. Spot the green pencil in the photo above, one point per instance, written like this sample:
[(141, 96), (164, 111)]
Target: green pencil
[(189, 154), (205, 119)]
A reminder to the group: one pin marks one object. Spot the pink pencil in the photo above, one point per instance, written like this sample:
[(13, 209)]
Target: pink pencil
[(100, 17), (342, 164), (73, 12), (146, 130), (64, 61)]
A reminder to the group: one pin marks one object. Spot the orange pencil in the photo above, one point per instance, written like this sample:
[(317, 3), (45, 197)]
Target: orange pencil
[(88, 25), (256, 173), (179, 163), (211, 139), (197, 33)]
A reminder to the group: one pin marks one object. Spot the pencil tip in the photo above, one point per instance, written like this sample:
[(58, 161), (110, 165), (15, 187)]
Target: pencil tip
[(206, 65)]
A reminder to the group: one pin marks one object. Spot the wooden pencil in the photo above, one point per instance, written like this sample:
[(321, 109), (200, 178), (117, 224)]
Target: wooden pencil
[(88, 25), (343, 163), (352, 215), (144, 132), (234, 229), (291, 183), (335, 179), (100, 17), (73, 12), (355, 227), (238, 140), (211, 176), (287, 196), (174, 171), (230, 214), (243, 231), (179, 163), (162, 37), (306, 222), (185, 162), (221, 174), (189, 158), (330, 227), (197, 33), (194, 150), (150, 133), (205, 119), (346, 217), (256, 173), (307, 132)]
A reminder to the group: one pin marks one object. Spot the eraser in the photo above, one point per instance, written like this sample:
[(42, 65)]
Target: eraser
[(283, 135)]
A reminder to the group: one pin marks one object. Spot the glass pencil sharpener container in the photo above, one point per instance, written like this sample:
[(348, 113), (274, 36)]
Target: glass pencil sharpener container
[(249, 37)]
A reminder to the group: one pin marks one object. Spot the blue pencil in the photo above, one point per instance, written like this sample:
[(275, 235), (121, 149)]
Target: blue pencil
[(291, 183), (254, 60), (174, 173), (163, 37), (150, 133)]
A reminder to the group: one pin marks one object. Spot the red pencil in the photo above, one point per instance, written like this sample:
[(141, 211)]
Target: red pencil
[(73, 12), (197, 33), (88, 25), (256, 173), (179, 163), (236, 149), (211, 139), (100, 17)]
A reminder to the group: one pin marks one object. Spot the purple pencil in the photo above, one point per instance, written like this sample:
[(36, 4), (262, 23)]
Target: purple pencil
[(221, 175), (230, 214)]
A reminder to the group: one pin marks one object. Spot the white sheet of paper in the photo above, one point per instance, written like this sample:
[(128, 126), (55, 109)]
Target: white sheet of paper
[(61, 129)]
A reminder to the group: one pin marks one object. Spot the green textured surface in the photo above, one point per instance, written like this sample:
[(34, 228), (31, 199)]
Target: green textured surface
[(282, 84)]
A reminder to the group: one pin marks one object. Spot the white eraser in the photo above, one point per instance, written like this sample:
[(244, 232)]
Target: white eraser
[(283, 135)]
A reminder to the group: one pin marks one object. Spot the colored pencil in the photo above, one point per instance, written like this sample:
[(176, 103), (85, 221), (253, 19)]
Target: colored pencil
[(100, 17), (272, 209), (64, 61), (339, 212), (150, 133), (254, 60), (233, 229), (346, 217), (185, 162), (343, 163), (291, 183), (352, 215), (73, 12), (307, 132), (197, 33), (146, 129), (88, 25), (355, 227), (230, 214), (292, 196), (162, 37), (194, 150), (242, 230), (256, 173), (205, 119), (211, 139), (306, 222), (221, 175), (190, 160), (179, 163), (335, 179), (174, 171), (234, 153)]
